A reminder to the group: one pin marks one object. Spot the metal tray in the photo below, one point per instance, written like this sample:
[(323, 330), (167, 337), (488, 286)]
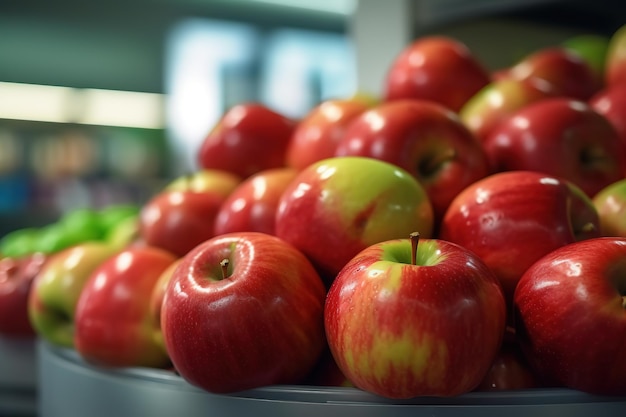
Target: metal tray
[(70, 387), (18, 376)]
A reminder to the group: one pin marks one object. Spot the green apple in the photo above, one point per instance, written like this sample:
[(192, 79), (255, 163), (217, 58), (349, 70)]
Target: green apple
[(110, 216), (56, 289), (592, 48), (336, 207), (610, 202), (615, 71)]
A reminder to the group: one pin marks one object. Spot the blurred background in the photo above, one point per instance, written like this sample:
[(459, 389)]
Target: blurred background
[(105, 102)]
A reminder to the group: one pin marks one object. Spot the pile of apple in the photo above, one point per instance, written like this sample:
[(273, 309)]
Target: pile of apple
[(465, 231)]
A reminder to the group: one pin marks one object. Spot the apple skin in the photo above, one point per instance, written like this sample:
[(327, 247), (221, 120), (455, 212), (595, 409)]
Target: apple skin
[(569, 315), (561, 137), (337, 207), (56, 288), (156, 301), (316, 136), (615, 69), (426, 139), (498, 100), (610, 203), (249, 137), (261, 324), (437, 68), (566, 71), (206, 180), (511, 219), (16, 279), (402, 330), (113, 325), (252, 206), (593, 49), (611, 103)]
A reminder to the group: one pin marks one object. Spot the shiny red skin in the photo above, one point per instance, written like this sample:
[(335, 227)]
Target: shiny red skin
[(512, 219), (413, 133), (611, 103), (570, 316), (436, 68), (16, 279), (456, 303), (177, 221), (560, 137), (261, 325), (113, 325), (248, 138), (568, 73), (252, 206), (316, 136)]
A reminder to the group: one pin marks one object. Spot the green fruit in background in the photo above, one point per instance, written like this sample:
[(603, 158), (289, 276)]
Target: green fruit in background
[(591, 48), (111, 216), (82, 224), (19, 242)]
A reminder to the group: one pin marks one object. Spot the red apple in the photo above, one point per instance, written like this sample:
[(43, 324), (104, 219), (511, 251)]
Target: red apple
[(610, 202), (316, 136), (16, 279), (498, 100), (337, 207), (512, 219), (113, 325), (252, 206), (566, 71), (611, 103), (404, 320), (424, 138), (244, 310), (249, 137), (560, 137), (570, 317), (436, 68), (615, 67)]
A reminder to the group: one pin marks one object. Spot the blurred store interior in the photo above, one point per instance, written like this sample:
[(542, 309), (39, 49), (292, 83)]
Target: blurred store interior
[(104, 102)]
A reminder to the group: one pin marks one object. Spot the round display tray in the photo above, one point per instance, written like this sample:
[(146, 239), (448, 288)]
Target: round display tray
[(18, 376), (70, 387)]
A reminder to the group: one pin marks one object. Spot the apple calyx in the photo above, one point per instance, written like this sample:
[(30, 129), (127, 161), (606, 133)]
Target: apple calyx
[(415, 238), (224, 264), (428, 167)]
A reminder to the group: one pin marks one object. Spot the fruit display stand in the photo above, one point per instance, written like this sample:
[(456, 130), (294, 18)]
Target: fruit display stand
[(68, 387), (18, 377)]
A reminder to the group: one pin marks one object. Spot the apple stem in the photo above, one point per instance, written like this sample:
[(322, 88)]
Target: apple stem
[(224, 264), (415, 238)]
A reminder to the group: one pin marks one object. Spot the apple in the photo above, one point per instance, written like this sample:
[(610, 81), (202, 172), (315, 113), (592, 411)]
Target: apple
[(511, 219), (592, 48), (426, 139), (566, 71), (252, 206), (315, 137), (182, 214), (569, 315), (244, 310), (615, 66), (16, 279), (337, 207), (611, 103), (437, 68), (57, 287), (610, 202), (156, 301), (561, 137), (405, 319), (113, 324), (498, 100), (248, 138)]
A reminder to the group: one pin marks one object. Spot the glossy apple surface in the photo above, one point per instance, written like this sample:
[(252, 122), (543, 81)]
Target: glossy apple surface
[(337, 207), (611, 103), (113, 325), (512, 219), (57, 287), (16, 280), (498, 100), (615, 71), (592, 48), (424, 138), (566, 71), (252, 206), (560, 137), (316, 136), (401, 327), (244, 310), (206, 180), (570, 316), (436, 68), (248, 138), (610, 203)]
